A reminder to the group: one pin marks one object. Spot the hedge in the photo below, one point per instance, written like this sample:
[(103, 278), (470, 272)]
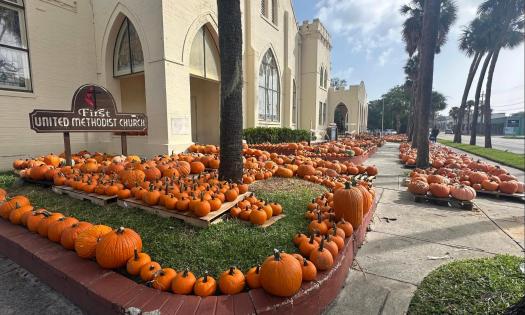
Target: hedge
[(275, 135)]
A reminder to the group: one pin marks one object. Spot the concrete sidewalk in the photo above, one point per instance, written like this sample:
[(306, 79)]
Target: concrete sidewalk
[(408, 240)]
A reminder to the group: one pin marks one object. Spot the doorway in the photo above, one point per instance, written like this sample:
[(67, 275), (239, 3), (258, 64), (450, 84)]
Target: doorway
[(205, 111), (341, 118)]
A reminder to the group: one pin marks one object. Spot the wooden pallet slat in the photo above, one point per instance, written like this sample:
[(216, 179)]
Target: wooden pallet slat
[(446, 202), (266, 224), (99, 200), (188, 216), (499, 194)]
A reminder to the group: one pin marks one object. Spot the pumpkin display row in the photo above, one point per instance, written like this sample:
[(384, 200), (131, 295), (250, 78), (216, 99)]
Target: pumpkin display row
[(399, 138), (281, 274), (457, 175)]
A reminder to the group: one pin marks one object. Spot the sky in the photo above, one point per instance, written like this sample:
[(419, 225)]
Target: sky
[(367, 46)]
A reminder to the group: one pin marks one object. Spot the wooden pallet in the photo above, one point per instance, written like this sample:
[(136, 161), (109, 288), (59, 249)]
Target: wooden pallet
[(45, 183), (97, 199), (267, 223), (498, 194), (188, 216), (446, 202)]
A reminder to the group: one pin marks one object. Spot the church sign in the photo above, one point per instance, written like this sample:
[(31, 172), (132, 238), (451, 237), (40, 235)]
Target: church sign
[(93, 109)]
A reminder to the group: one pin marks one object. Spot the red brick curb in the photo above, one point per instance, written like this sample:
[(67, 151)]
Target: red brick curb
[(100, 291)]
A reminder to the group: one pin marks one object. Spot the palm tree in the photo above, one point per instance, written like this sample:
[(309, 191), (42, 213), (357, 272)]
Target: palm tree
[(474, 129), (412, 36), (230, 44), (429, 42), (470, 104), (473, 43), (507, 32), (410, 84), (453, 113)]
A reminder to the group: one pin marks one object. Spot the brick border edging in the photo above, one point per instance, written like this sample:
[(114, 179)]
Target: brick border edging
[(101, 291)]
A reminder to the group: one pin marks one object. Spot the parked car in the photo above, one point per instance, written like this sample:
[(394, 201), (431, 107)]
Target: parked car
[(449, 132)]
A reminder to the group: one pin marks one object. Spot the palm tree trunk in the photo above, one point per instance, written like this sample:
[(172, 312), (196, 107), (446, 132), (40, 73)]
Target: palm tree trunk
[(426, 75), (417, 104), (468, 119), (230, 44), (474, 129), (488, 91), (472, 72)]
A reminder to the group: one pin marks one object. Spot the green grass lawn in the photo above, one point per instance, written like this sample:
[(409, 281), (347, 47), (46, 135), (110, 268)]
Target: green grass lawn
[(506, 158), (175, 244), (474, 286)]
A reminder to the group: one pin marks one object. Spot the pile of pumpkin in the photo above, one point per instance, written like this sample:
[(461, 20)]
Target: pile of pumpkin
[(399, 138), (458, 174), (280, 274), (255, 210)]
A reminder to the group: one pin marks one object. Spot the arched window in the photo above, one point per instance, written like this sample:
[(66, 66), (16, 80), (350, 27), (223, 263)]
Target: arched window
[(321, 76), (127, 58), (269, 89), (325, 84), (204, 55), (275, 11), (294, 103)]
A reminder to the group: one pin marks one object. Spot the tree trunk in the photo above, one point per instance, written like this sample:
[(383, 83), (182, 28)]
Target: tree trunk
[(230, 44), (426, 75), (472, 72), (468, 119), (417, 104), (474, 129), (488, 91), (398, 123)]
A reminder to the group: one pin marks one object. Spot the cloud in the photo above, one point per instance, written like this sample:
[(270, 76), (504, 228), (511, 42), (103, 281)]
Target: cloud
[(344, 74), (369, 26)]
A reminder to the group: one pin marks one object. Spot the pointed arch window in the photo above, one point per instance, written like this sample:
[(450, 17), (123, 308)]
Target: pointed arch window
[(204, 55), (127, 57), (325, 83), (269, 89)]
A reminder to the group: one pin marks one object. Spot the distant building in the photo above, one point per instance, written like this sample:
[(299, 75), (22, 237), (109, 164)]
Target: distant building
[(514, 124)]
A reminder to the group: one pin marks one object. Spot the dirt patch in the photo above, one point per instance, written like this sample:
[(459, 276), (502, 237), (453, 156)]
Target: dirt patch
[(275, 184)]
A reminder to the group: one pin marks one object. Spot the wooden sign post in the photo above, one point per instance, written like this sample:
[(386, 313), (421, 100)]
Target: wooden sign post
[(93, 109)]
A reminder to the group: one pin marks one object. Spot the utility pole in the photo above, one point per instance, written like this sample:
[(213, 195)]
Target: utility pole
[(482, 106), (382, 118)]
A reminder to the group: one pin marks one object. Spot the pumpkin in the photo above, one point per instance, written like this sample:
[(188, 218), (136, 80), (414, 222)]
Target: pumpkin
[(509, 187), (521, 187), (348, 205), (309, 271), (367, 199), (298, 238), (53, 160), (136, 262), (70, 234), (148, 271), (86, 242), (284, 172), (322, 258), (15, 216), (331, 245), (152, 174), (232, 281), (258, 216), (34, 220), (277, 208), (346, 227), (45, 223), (371, 170), (163, 278), (205, 286), (439, 190), (15, 202), (56, 229), (117, 247), (463, 192), (318, 226), (131, 178), (196, 167), (281, 274), (183, 282), (39, 172), (253, 277), (202, 208), (305, 169), (490, 185), (418, 187), (307, 246)]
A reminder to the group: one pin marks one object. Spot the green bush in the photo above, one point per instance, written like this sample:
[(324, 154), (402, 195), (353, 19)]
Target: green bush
[(274, 135)]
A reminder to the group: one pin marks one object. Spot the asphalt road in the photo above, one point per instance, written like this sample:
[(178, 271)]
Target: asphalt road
[(498, 142)]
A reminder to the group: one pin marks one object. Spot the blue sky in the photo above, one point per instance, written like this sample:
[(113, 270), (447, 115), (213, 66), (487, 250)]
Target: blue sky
[(366, 39)]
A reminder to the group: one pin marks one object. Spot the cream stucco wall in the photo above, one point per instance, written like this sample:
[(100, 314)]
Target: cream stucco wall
[(355, 99), (72, 43)]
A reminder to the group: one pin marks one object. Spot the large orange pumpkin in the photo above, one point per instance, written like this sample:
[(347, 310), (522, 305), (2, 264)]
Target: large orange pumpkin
[(86, 242), (462, 192), (439, 190), (348, 204), (117, 247), (418, 187), (281, 274)]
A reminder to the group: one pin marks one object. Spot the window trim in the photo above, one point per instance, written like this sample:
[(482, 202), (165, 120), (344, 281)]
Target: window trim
[(295, 106), (26, 50), (115, 56), (268, 90)]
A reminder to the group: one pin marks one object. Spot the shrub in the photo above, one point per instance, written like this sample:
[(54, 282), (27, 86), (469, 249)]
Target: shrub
[(275, 135)]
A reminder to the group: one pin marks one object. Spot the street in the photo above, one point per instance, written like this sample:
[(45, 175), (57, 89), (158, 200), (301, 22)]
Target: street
[(498, 142)]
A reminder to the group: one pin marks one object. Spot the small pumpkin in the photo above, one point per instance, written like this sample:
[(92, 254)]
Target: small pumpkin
[(309, 271), (56, 229), (439, 190), (307, 246), (163, 278), (322, 258), (148, 271), (232, 281), (183, 282), (70, 234), (253, 277), (205, 285), (136, 262)]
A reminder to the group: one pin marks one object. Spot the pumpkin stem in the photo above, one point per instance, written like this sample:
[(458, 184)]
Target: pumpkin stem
[(185, 273), (321, 246), (305, 262), (205, 279), (277, 253), (231, 272), (311, 241), (257, 269), (136, 254), (120, 230), (347, 185)]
